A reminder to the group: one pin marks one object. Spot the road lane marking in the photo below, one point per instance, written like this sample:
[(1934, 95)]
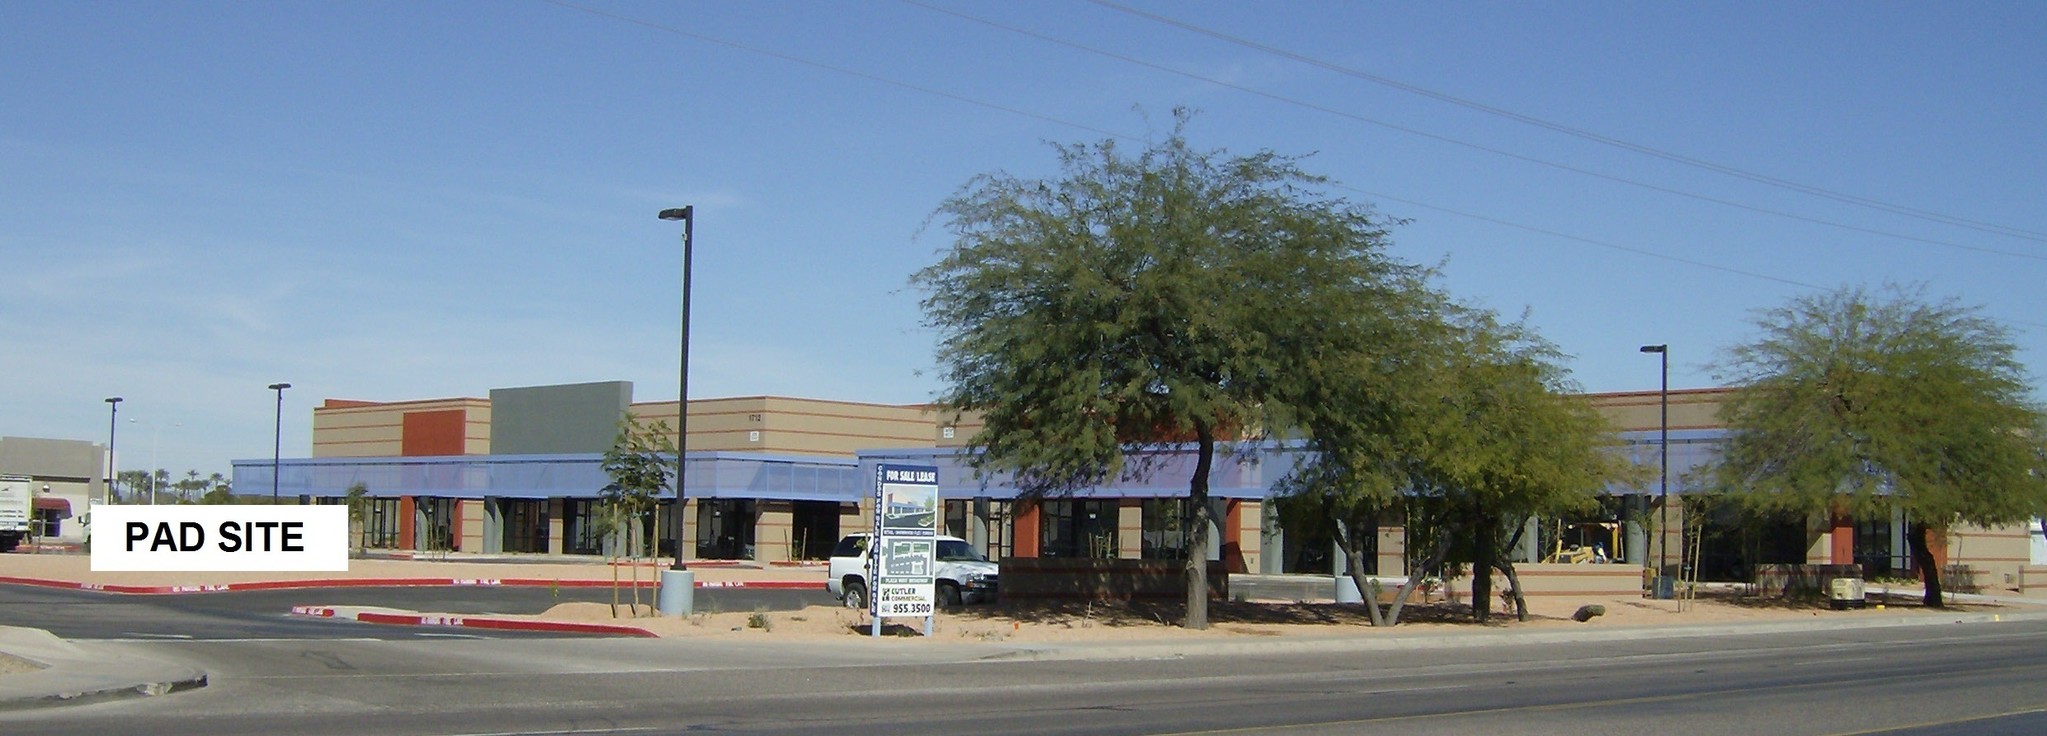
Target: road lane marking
[(561, 732)]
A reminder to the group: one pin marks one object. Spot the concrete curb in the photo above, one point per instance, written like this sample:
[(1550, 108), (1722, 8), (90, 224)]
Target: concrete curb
[(1398, 642), (407, 618), (75, 674), (392, 583)]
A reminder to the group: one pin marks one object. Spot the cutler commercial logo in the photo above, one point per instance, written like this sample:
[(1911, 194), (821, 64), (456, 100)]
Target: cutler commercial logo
[(219, 539)]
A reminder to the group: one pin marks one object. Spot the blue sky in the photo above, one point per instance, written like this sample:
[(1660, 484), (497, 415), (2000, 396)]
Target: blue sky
[(400, 200)]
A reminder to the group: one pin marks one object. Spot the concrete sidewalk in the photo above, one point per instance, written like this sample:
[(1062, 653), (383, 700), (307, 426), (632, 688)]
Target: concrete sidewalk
[(1397, 640), (79, 672), (74, 673)]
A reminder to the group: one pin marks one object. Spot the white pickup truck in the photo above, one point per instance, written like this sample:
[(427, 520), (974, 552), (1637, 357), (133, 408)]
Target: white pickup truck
[(963, 575)]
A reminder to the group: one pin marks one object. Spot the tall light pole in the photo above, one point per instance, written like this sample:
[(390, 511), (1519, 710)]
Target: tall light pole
[(687, 214), (277, 441), (155, 445), (113, 411), (1663, 443)]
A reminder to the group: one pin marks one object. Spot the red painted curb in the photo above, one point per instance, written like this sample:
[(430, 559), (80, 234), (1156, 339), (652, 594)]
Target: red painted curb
[(393, 583), (767, 584), (475, 622)]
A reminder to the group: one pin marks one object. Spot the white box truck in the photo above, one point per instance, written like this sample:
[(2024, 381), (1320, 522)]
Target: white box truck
[(17, 510)]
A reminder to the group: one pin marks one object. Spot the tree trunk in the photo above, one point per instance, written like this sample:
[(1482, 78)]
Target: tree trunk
[(1197, 538), (1505, 564), (1506, 567), (1929, 568), (1354, 560), (1482, 573), (1429, 565), (635, 560)]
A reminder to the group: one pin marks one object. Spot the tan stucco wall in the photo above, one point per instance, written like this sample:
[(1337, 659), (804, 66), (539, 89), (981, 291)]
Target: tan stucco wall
[(1995, 555), (791, 426), (1249, 528), (377, 429), (555, 526), (1130, 528), (470, 511), (772, 528), (1697, 408)]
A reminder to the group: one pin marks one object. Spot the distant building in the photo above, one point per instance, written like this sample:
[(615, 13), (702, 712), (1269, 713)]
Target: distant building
[(65, 477), (776, 478)]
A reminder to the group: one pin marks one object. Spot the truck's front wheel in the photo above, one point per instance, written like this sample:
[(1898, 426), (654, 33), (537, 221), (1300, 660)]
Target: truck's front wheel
[(856, 595)]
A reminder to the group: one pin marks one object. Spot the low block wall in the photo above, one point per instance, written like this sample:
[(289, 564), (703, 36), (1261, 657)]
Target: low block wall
[(2033, 579), (1038, 578), (1963, 579), (1801, 580), (1555, 579), (1562, 579)]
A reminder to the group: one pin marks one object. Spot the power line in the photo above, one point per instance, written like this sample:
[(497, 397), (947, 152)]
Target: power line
[(1470, 145), (1132, 138), (828, 67), (1581, 133)]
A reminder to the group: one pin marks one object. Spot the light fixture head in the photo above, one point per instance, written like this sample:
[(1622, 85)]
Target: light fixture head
[(279, 386), (678, 213), (114, 400), (1654, 348)]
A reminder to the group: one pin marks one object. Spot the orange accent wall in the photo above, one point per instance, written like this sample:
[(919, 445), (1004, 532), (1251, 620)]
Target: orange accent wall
[(428, 433), (406, 508), (1024, 530), (1842, 550), (1233, 537)]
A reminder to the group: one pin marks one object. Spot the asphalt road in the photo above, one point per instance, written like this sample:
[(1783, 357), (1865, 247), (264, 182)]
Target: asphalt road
[(1948, 679), (79, 614)]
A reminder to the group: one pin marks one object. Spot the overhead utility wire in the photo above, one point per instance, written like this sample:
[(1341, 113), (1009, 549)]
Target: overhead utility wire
[(828, 67), (1896, 209), (1588, 241), (1132, 138), (1467, 144)]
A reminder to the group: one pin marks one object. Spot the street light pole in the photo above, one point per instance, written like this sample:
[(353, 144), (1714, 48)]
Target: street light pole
[(687, 214), (156, 445), (277, 441), (113, 411), (677, 593), (1663, 443)]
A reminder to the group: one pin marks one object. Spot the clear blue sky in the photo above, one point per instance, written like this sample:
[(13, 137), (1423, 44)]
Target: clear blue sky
[(400, 200)]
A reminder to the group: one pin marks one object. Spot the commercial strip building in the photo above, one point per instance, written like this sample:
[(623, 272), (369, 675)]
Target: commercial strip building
[(64, 477), (778, 479)]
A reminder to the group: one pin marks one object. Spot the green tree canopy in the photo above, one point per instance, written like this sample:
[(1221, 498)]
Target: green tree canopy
[(639, 463), (1465, 424), (1143, 299), (1866, 402)]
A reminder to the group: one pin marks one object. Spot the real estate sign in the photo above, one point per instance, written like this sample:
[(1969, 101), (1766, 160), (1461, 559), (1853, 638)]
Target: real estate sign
[(903, 556)]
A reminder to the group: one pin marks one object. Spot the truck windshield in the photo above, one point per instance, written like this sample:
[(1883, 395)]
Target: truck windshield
[(958, 552)]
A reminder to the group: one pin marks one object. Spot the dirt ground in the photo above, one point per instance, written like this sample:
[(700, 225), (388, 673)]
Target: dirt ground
[(1050, 623), (10, 664), (1008, 623)]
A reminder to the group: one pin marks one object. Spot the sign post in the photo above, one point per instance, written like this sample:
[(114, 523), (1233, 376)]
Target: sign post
[(902, 553)]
